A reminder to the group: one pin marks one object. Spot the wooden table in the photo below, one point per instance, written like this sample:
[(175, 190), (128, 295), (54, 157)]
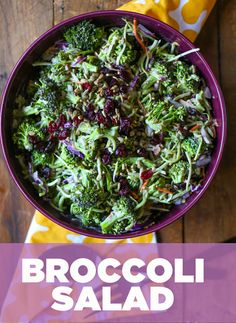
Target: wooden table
[(214, 217)]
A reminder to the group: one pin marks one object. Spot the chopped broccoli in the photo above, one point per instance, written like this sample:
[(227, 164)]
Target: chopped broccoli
[(178, 171), (89, 197), (39, 158), (68, 158), (121, 218), (48, 93), (87, 216), (134, 180), (84, 35), (187, 80), (22, 135), (191, 145), (44, 102), (87, 205), (161, 114)]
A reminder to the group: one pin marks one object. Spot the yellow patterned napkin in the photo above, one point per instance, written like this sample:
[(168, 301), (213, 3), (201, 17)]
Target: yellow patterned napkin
[(187, 16)]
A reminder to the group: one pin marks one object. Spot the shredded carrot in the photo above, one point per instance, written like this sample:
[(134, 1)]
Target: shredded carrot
[(197, 126), (163, 190), (144, 185), (135, 195), (138, 38)]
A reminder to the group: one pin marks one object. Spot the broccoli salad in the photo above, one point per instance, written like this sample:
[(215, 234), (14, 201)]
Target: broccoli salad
[(115, 128)]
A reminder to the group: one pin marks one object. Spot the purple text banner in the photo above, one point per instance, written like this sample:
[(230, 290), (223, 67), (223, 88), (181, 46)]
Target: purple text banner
[(51, 283)]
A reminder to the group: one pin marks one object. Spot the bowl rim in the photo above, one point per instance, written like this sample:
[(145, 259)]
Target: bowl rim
[(157, 226)]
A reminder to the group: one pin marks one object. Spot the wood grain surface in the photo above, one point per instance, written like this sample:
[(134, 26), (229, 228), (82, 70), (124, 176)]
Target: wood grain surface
[(213, 219)]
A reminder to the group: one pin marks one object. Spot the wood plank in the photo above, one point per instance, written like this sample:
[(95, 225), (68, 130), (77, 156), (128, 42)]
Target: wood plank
[(21, 21), (64, 9), (173, 233), (214, 218)]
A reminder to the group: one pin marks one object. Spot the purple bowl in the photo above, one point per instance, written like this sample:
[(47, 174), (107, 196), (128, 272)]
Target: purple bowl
[(21, 74)]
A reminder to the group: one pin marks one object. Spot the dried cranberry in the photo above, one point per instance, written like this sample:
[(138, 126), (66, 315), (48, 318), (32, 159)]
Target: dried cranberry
[(108, 92), (157, 139), (125, 124), (121, 151), (106, 157), (32, 139), (109, 106), (114, 121), (100, 118), (68, 125), (122, 180), (77, 120), (124, 190), (125, 75), (142, 152), (146, 174), (63, 135), (90, 113), (62, 120), (87, 86), (52, 127), (108, 122), (183, 130)]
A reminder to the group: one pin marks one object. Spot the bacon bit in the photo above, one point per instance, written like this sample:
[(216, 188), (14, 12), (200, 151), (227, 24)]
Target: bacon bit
[(196, 127), (135, 195), (163, 190), (144, 185), (138, 38)]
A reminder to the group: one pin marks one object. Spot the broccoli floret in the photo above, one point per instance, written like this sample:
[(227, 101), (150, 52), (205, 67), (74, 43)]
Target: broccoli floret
[(24, 132), (67, 157), (87, 216), (133, 180), (187, 80), (48, 92), (118, 49), (178, 171), (84, 35), (191, 145), (39, 158), (87, 201), (161, 114), (90, 196), (122, 217), (44, 102)]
